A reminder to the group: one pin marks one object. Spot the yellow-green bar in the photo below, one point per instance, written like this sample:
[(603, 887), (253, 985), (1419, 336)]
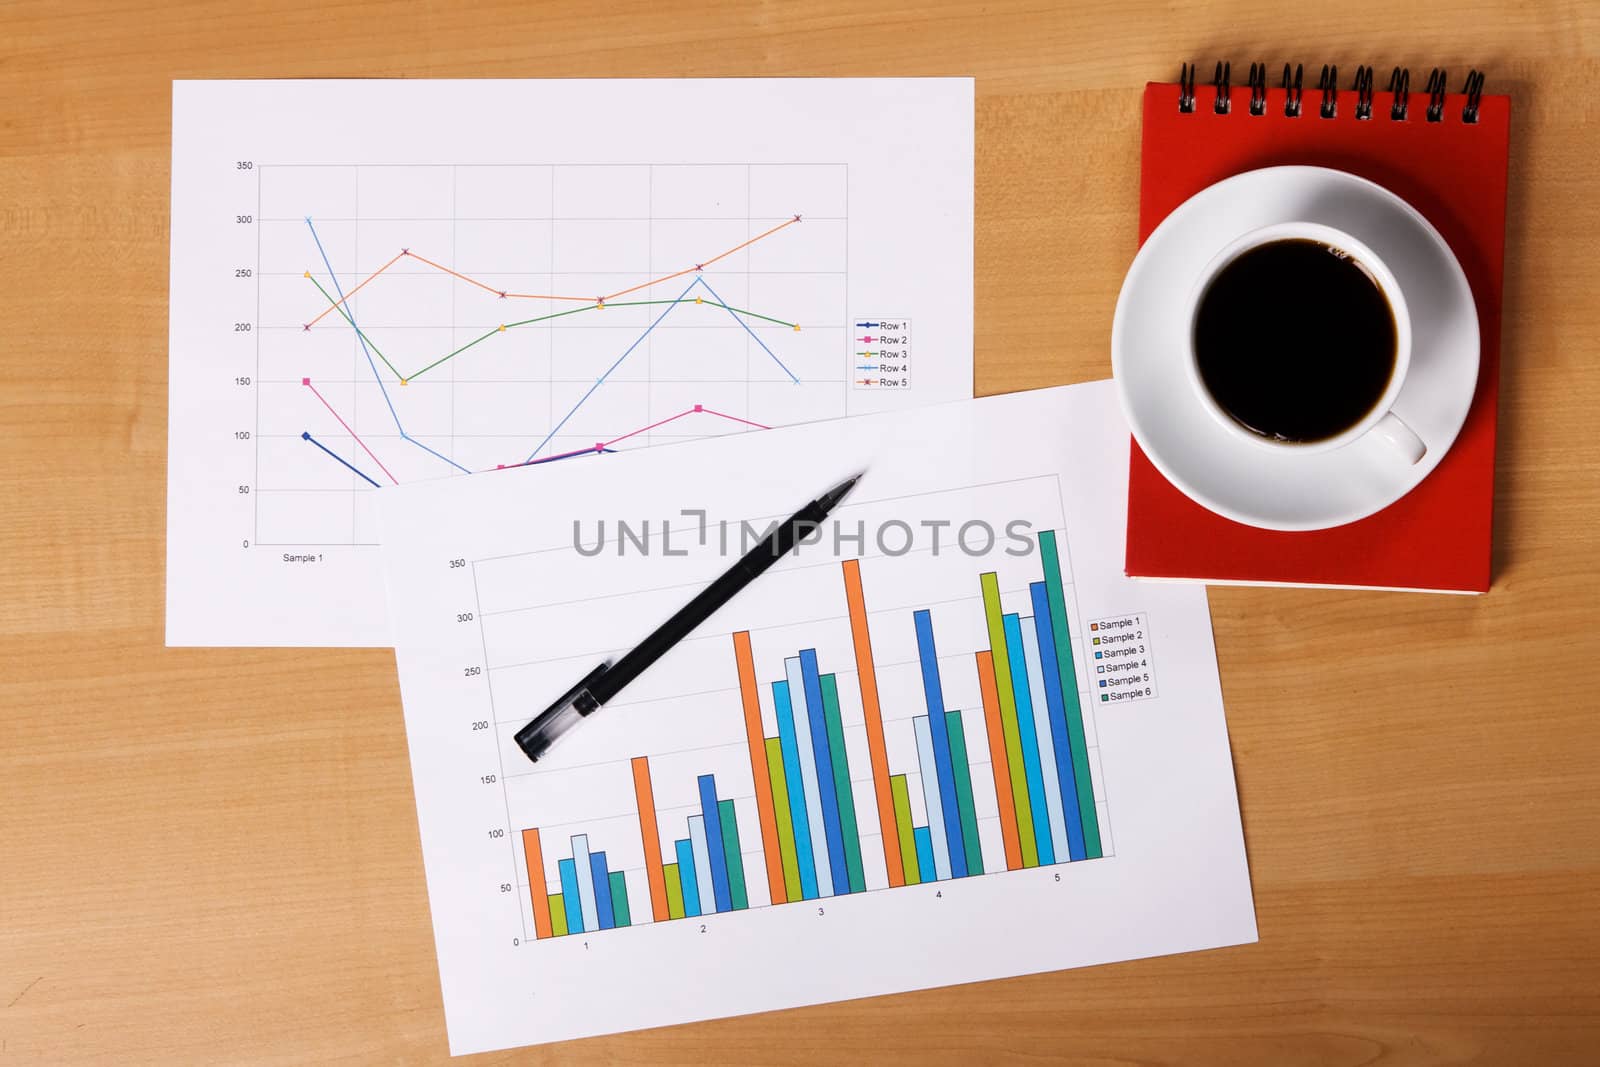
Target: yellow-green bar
[(785, 819), (674, 890), (902, 818), (1008, 717), (558, 915)]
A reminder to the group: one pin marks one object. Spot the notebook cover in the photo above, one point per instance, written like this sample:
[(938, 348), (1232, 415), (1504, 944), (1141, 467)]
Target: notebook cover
[(1437, 537)]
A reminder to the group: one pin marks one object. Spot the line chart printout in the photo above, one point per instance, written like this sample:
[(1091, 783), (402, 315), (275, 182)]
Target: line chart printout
[(945, 740), (382, 282)]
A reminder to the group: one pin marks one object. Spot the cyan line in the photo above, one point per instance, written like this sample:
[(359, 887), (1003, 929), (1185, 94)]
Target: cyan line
[(600, 380), (700, 280), (349, 316), (307, 437)]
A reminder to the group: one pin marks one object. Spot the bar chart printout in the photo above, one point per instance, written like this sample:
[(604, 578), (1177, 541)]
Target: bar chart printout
[(875, 741), (809, 834)]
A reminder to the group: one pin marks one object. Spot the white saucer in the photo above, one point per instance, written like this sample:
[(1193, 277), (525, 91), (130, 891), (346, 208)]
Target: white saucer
[(1286, 490)]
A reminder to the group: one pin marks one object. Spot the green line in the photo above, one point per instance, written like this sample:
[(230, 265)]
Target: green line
[(732, 854), (963, 777), (353, 326), (990, 583), (902, 818), (1069, 694), (529, 322), (780, 802), (558, 915), (841, 784), (457, 352), (674, 890), (619, 900)]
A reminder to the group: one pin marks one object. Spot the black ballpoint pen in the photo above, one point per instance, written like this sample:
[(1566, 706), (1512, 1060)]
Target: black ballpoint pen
[(609, 679)]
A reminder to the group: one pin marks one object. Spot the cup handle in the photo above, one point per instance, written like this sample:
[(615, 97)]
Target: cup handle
[(1400, 437)]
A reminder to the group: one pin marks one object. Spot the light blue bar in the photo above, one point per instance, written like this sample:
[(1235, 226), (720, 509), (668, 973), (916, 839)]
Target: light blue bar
[(930, 798), (808, 773), (702, 863), (1047, 753), (686, 876), (796, 788), (570, 896), (580, 858), (1030, 741), (924, 841)]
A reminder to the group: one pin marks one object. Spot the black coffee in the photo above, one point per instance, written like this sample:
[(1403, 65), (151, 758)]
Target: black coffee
[(1295, 340)]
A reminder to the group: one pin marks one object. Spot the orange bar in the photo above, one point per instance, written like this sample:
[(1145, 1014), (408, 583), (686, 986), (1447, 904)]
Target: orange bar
[(867, 675), (534, 855), (652, 838), (998, 762), (758, 765)]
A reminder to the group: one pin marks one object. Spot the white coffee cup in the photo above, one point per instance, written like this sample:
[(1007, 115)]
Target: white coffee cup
[(1381, 419)]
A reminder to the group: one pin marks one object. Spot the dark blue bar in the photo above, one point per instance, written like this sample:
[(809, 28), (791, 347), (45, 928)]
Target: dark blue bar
[(939, 729), (1058, 718), (837, 871), (719, 858), (602, 890)]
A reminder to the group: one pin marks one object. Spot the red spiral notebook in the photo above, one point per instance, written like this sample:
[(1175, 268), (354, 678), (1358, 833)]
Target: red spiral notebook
[(1446, 154)]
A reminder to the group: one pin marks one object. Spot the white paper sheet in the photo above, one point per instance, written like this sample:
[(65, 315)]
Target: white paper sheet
[(505, 590), (678, 258)]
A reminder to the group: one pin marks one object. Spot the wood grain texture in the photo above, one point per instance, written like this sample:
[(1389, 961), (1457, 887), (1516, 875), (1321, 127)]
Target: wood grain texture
[(211, 856)]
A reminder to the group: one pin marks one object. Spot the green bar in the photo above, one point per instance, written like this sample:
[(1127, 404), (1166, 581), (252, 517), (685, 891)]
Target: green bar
[(902, 818), (841, 784), (732, 855), (558, 915), (780, 802), (619, 900), (1008, 717), (1069, 694), (674, 890), (963, 777)]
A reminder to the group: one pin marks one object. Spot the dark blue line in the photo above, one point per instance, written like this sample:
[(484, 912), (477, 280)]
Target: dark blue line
[(701, 281), (307, 437), (598, 381), (350, 315)]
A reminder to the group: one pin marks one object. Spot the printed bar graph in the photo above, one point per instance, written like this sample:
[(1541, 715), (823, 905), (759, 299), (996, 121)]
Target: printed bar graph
[(644, 797), (939, 742), (841, 783), (1008, 718), (750, 698), (807, 825), (533, 860), (1069, 692), (998, 761), (780, 804), (961, 771), (872, 715)]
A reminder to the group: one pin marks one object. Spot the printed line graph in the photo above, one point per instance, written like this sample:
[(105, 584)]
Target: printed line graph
[(458, 320)]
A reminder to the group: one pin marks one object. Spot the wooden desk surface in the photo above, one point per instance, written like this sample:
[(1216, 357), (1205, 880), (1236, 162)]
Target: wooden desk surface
[(212, 855)]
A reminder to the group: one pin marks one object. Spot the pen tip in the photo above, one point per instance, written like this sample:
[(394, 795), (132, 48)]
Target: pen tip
[(842, 490)]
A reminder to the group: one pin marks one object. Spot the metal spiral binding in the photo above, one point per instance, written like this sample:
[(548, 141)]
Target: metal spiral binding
[(1436, 95), (1363, 91), (1219, 81), (1292, 91), (1364, 86), (1258, 88), (1186, 89), (1474, 91), (1400, 86)]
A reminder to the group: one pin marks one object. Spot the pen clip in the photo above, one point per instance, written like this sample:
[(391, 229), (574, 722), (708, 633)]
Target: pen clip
[(536, 738)]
